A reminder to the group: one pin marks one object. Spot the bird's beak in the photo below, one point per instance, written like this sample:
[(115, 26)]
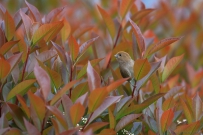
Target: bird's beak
[(116, 55)]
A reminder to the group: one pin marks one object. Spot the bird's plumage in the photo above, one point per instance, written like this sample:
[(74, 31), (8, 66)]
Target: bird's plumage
[(126, 64)]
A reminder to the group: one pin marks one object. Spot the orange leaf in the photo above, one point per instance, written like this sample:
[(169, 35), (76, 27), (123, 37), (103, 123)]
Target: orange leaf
[(115, 84), (168, 103), (190, 129), (108, 21), (161, 44), (74, 47), (44, 30), (166, 119), (95, 126), (107, 132), (140, 14), (187, 111), (170, 66), (62, 91), (76, 112), (96, 98), (38, 105), (125, 6), (23, 105), (65, 31), (9, 26), (4, 68), (141, 68), (139, 37), (7, 46)]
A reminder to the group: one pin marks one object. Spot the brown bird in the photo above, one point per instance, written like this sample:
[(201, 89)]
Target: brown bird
[(126, 65)]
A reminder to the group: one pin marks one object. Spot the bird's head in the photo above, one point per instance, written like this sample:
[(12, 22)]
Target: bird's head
[(122, 57)]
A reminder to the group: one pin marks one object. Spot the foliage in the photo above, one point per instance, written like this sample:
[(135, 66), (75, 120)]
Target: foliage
[(58, 74)]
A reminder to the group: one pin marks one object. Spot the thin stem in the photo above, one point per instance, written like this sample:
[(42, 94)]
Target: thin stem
[(134, 87), (24, 68), (71, 77), (87, 121), (43, 122), (118, 35)]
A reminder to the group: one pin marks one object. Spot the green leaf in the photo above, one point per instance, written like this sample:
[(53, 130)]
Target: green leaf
[(170, 66), (187, 111), (141, 68), (20, 88), (108, 21)]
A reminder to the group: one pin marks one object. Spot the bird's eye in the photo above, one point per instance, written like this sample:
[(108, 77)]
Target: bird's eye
[(119, 54)]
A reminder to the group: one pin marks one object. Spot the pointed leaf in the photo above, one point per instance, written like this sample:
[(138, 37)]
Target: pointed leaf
[(96, 98), (27, 24), (140, 14), (20, 88), (163, 43), (168, 103), (170, 66), (125, 6), (17, 115), (62, 92), (84, 69), (4, 68), (197, 107), (106, 103), (76, 113), (112, 120), (9, 26), (107, 132), (108, 21), (154, 67), (79, 90), (139, 36), (166, 119), (74, 47), (44, 30), (34, 12), (43, 80), (23, 105), (137, 108), (7, 46), (55, 111), (95, 126), (187, 111), (14, 60), (66, 30), (93, 77), (190, 129), (54, 13), (116, 84), (126, 120), (31, 129), (38, 105), (141, 68)]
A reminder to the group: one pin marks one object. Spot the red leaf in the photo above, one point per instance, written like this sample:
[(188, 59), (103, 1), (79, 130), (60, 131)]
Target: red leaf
[(74, 47), (27, 24), (139, 37), (7, 46), (126, 120), (125, 6), (34, 12), (4, 68), (166, 119), (94, 80), (43, 80), (31, 129)]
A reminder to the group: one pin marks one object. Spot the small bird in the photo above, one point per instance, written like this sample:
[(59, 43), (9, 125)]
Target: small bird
[(126, 65)]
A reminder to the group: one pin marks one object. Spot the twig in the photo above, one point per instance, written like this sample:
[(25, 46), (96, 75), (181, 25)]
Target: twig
[(134, 87), (87, 121), (71, 77), (118, 35), (24, 68)]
